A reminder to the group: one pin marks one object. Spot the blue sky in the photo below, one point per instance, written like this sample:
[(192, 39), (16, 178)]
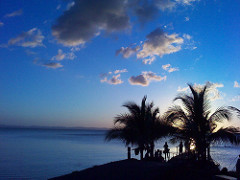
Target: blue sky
[(74, 63)]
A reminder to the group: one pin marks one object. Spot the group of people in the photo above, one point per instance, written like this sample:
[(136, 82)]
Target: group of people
[(158, 153), (166, 152)]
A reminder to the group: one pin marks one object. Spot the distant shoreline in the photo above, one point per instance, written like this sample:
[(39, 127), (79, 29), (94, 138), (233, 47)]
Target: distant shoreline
[(51, 127)]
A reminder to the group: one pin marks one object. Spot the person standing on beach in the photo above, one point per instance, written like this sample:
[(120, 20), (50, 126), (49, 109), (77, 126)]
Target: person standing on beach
[(166, 151), (238, 168)]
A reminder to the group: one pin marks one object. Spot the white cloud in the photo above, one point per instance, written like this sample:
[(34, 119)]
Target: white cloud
[(236, 84), (167, 67), (189, 42), (15, 13), (53, 65), (120, 71), (165, 4), (31, 38), (61, 56), (145, 78), (186, 2), (187, 36), (1, 23), (212, 91), (114, 80), (187, 18), (173, 69), (182, 89), (149, 60), (159, 43), (127, 51), (236, 98)]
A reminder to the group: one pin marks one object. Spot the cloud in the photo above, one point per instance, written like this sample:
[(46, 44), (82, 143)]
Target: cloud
[(58, 7), (187, 18), (114, 80), (189, 42), (52, 65), (149, 60), (236, 98), (182, 89), (173, 69), (120, 71), (87, 19), (28, 52), (15, 13), (127, 51), (61, 56), (159, 43), (236, 84), (187, 36), (165, 4), (167, 67), (31, 38), (145, 78), (213, 92), (1, 23), (70, 4), (84, 20), (186, 2)]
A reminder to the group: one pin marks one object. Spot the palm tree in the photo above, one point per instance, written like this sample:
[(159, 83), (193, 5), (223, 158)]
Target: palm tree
[(140, 127), (195, 122)]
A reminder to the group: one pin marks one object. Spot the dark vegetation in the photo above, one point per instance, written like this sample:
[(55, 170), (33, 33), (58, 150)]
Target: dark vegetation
[(192, 122)]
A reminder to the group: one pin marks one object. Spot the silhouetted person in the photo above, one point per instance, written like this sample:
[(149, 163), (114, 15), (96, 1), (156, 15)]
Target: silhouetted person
[(238, 168), (166, 151), (161, 159), (181, 148), (147, 155)]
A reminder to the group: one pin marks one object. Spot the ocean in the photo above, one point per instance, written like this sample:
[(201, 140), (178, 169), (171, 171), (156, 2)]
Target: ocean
[(45, 153)]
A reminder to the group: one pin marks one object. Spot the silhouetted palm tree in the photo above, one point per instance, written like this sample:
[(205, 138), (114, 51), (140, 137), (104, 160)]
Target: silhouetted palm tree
[(140, 127), (196, 123)]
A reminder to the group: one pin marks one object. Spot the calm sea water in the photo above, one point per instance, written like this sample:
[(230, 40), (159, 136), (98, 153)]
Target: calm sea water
[(41, 153)]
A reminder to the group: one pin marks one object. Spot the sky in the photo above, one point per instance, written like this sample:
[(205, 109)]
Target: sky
[(74, 63)]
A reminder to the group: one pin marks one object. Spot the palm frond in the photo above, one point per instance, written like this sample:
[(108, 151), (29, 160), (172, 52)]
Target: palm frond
[(133, 108), (220, 114), (234, 109), (228, 134), (122, 119)]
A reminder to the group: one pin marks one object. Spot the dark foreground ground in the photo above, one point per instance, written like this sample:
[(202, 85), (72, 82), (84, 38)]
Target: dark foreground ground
[(142, 170)]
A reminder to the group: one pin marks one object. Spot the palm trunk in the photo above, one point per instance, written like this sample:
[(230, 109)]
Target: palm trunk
[(151, 149), (141, 154), (208, 152)]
